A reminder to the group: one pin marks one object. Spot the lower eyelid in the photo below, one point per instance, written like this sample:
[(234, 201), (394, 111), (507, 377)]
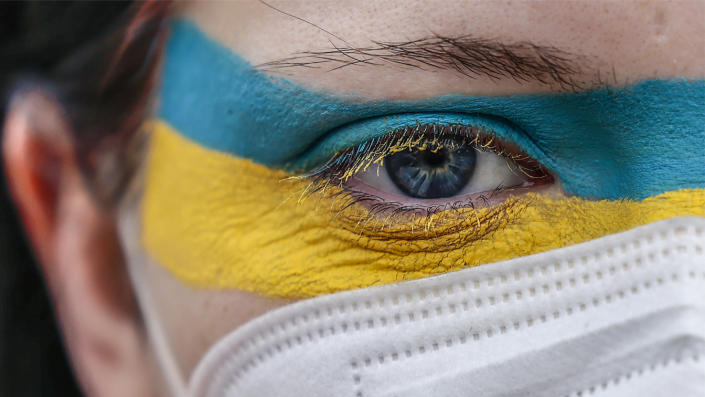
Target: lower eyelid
[(382, 204)]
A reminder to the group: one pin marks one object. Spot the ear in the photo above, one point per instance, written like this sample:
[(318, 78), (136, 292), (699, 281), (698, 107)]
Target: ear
[(76, 242)]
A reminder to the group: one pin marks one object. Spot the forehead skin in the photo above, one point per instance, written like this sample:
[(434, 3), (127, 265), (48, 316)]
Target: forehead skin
[(623, 42)]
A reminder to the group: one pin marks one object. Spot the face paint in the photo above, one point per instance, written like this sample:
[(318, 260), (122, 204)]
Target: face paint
[(632, 142), (220, 211), (219, 221)]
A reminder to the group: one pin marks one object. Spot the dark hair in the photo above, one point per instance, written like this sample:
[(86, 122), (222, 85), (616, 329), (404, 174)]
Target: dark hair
[(98, 59)]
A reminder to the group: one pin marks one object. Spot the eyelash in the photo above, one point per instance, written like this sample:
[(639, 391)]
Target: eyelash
[(344, 165)]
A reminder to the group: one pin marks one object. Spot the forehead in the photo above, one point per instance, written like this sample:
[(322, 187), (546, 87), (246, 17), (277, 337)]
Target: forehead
[(621, 41)]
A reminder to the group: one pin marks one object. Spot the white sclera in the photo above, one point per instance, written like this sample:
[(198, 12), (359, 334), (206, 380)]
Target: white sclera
[(491, 171)]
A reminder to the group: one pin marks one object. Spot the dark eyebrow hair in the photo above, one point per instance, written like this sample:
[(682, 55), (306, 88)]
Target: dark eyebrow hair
[(470, 56)]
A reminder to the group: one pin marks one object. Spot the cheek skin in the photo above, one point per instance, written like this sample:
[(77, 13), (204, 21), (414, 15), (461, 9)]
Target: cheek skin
[(195, 318)]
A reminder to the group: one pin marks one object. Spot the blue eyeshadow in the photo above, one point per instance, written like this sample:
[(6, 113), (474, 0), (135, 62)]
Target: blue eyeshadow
[(631, 142)]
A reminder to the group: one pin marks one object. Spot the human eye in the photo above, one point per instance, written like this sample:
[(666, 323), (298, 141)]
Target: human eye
[(425, 168), (293, 191)]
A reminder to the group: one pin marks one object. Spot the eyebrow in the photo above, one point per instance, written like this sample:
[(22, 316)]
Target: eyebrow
[(469, 56)]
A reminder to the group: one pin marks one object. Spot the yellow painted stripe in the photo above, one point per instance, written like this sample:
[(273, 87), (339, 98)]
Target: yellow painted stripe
[(217, 221)]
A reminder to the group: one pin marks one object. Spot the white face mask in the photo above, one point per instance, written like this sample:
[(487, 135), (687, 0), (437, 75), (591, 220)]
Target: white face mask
[(622, 315)]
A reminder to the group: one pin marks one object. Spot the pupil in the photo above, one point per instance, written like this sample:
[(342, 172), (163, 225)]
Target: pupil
[(435, 160), (428, 175)]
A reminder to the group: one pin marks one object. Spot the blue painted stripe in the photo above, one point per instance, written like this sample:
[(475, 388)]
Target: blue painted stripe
[(630, 142)]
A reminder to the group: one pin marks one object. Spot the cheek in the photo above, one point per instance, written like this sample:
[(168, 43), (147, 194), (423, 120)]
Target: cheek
[(220, 222), (194, 319)]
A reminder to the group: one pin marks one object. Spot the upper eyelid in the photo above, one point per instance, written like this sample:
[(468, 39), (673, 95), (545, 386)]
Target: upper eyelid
[(358, 133), (342, 166)]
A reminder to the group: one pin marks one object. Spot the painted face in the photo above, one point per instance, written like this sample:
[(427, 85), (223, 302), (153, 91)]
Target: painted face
[(369, 145)]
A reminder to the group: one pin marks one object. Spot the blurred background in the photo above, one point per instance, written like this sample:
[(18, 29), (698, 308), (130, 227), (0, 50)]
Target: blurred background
[(34, 37)]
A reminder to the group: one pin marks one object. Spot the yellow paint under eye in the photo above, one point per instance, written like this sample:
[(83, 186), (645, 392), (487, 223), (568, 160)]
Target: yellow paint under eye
[(216, 221)]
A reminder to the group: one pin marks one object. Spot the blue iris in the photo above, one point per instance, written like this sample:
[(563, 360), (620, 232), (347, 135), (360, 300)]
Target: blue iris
[(431, 174)]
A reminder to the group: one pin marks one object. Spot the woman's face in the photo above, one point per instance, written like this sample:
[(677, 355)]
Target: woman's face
[(305, 148)]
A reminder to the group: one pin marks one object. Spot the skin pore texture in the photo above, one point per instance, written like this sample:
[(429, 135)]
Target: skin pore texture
[(230, 232)]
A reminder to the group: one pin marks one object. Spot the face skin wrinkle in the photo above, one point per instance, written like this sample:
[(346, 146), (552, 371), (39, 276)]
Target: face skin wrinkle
[(626, 38)]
